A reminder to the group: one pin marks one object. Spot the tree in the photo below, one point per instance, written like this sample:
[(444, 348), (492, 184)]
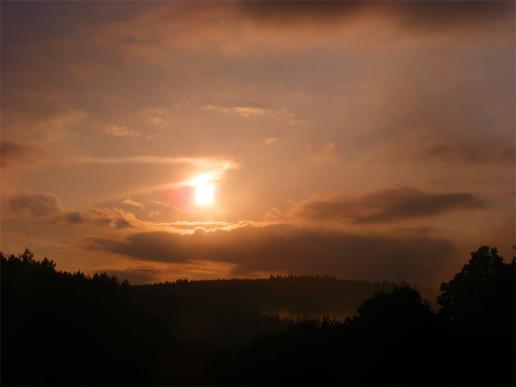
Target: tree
[(477, 314), (27, 256), (402, 310), (481, 295)]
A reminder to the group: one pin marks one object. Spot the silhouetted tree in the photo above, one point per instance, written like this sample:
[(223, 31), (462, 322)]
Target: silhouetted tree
[(481, 295), (477, 313), (402, 310), (74, 329)]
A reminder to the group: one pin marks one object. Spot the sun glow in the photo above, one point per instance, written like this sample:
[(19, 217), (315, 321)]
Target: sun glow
[(204, 190), (204, 194)]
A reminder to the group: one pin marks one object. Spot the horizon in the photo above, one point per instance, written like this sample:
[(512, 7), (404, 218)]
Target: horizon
[(142, 281)]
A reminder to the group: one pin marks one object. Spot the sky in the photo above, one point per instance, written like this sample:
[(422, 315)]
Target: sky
[(166, 140)]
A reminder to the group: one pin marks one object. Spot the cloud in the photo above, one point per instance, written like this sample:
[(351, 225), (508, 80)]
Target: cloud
[(495, 153), (199, 162), (45, 205), (285, 248), (133, 203), (13, 152), (137, 160), (36, 204), (237, 26), (386, 205), (416, 15), (366, 84), (121, 131), (204, 225), (280, 115), (38, 116), (327, 154), (248, 111), (109, 217), (73, 217), (234, 109), (271, 140)]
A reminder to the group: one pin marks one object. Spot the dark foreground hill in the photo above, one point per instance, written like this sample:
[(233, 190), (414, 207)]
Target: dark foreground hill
[(289, 297), (63, 328)]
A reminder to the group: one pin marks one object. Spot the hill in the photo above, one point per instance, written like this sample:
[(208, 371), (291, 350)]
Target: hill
[(288, 297), (62, 328)]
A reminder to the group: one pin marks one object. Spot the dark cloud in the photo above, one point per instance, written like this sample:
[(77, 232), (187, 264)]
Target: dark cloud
[(385, 205), (285, 248), (111, 217), (414, 15), (121, 223), (35, 204), (12, 152), (296, 11), (149, 246), (469, 154), (74, 217)]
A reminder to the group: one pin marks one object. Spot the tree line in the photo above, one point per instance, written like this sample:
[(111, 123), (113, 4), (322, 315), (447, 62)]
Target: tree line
[(62, 328)]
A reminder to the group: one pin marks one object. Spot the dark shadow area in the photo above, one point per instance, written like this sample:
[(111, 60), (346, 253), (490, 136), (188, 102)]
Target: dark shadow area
[(62, 328)]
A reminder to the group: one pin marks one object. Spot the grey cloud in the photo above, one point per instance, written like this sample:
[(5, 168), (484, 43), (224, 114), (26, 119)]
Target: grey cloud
[(487, 154), (121, 223), (13, 152), (35, 204), (148, 246), (285, 248), (385, 205), (74, 217), (41, 204), (114, 218), (414, 15)]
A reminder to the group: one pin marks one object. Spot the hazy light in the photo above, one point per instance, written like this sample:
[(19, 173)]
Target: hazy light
[(204, 194), (204, 189)]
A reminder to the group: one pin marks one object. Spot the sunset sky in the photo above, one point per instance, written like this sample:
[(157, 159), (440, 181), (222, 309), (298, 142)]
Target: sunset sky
[(165, 140)]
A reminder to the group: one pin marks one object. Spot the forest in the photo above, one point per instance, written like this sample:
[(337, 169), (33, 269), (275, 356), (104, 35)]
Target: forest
[(61, 328)]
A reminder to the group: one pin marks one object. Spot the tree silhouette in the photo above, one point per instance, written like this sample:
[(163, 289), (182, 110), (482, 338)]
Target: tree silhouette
[(63, 328), (402, 310), (477, 313), (481, 295)]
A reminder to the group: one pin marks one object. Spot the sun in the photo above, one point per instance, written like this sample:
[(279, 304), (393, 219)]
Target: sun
[(204, 194), (204, 188)]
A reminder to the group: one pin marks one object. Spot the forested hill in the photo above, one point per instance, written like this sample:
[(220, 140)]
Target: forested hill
[(63, 328), (284, 296)]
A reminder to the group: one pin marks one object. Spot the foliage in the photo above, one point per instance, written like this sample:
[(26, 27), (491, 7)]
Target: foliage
[(70, 328), (481, 295)]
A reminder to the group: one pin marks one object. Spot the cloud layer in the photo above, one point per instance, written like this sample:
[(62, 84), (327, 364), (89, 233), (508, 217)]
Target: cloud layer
[(417, 15), (12, 153), (286, 248), (386, 205), (36, 204)]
